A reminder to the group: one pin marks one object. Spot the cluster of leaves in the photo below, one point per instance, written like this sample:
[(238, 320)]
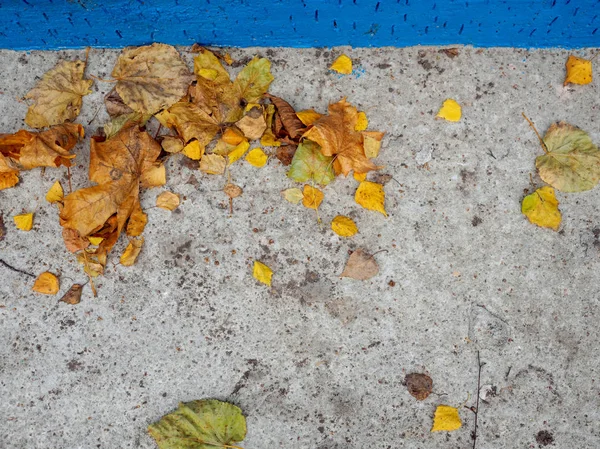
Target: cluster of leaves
[(209, 118)]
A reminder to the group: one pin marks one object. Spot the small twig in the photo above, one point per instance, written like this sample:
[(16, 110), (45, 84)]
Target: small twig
[(157, 131), (544, 147), (16, 270), (95, 115), (479, 366), (69, 178), (103, 80), (594, 57)]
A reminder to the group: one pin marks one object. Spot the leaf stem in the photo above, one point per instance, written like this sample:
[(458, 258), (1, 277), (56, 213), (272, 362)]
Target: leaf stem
[(479, 366), (102, 79), (544, 147)]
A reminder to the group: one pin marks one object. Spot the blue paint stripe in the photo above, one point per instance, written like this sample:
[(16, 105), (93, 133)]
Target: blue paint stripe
[(54, 24)]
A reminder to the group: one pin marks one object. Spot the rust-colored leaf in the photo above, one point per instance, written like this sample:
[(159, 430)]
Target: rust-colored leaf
[(419, 385)]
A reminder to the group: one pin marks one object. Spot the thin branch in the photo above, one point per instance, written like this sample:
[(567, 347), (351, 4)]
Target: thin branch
[(479, 366), (544, 147), (16, 270)]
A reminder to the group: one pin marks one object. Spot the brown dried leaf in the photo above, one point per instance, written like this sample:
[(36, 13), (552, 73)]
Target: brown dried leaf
[(115, 105), (2, 228), (285, 154), (232, 191), (73, 295), (290, 121), (253, 123), (419, 385), (361, 266), (450, 52)]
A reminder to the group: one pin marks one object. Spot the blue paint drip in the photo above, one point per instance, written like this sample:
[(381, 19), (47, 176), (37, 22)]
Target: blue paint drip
[(298, 23)]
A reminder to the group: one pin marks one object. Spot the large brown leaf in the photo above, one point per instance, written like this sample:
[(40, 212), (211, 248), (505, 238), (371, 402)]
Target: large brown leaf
[(290, 121)]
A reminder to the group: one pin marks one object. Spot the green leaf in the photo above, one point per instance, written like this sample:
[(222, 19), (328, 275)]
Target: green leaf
[(208, 66), (254, 80), (310, 163), (204, 424), (572, 163)]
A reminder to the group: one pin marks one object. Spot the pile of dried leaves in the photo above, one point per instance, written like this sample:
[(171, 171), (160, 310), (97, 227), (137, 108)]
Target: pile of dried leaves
[(207, 117)]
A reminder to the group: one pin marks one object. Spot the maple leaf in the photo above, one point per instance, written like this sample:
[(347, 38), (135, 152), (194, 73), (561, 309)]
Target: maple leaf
[(310, 163), (541, 208), (361, 266), (151, 78), (571, 162), (204, 424), (337, 136), (25, 150), (191, 122), (57, 96), (579, 71), (446, 418), (119, 166)]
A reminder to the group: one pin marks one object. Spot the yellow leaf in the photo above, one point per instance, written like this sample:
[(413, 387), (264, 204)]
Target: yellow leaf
[(227, 58), (579, 71), (372, 143), (312, 197), (213, 164), (446, 418), (209, 74), (46, 283), (238, 152), (8, 180), (95, 240), (232, 137), (24, 222), (137, 221), (257, 157), (262, 273), (55, 193), (450, 111), (171, 144), (362, 122), (293, 195), (359, 176), (131, 252), (541, 208), (344, 226), (343, 65), (268, 139), (308, 116), (193, 150), (167, 200), (370, 195)]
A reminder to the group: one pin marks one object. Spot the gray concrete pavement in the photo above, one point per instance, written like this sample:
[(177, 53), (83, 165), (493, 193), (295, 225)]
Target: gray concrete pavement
[(317, 361)]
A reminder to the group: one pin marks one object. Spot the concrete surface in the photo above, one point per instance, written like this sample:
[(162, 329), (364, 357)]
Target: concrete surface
[(317, 361)]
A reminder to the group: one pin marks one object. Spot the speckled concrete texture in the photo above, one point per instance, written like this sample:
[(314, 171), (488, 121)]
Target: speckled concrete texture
[(317, 361)]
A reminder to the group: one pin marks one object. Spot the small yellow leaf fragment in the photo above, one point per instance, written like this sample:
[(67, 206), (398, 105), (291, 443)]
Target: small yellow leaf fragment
[(171, 144), (238, 152), (209, 74), (308, 116), (541, 208), (131, 252), (227, 58), (193, 150), (262, 273), (446, 419), (344, 226), (232, 137), (24, 222), (370, 195), (293, 195), (167, 200), (362, 122), (359, 176), (46, 283), (212, 164), (450, 111), (55, 193), (257, 157), (95, 240), (312, 197), (579, 71), (343, 65), (8, 180), (268, 139)]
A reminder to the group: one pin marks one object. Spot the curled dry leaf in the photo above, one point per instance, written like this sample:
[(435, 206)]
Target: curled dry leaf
[(361, 266), (262, 273), (57, 96), (168, 200), (419, 385), (151, 78), (204, 424), (73, 295), (2, 228), (132, 251), (292, 125), (572, 163), (541, 208), (446, 418), (25, 150), (286, 154), (579, 71), (46, 284), (336, 135)]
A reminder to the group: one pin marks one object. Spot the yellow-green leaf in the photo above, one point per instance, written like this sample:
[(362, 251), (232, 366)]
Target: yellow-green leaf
[(55, 193), (572, 163), (370, 195), (293, 195), (310, 163), (450, 111), (446, 418), (541, 208), (254, 80), (262, 273), (257, 157), (343, 65), (344, 226), (204, 424)]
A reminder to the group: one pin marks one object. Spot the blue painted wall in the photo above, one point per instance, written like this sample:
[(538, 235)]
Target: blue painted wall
[(53, 24)]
